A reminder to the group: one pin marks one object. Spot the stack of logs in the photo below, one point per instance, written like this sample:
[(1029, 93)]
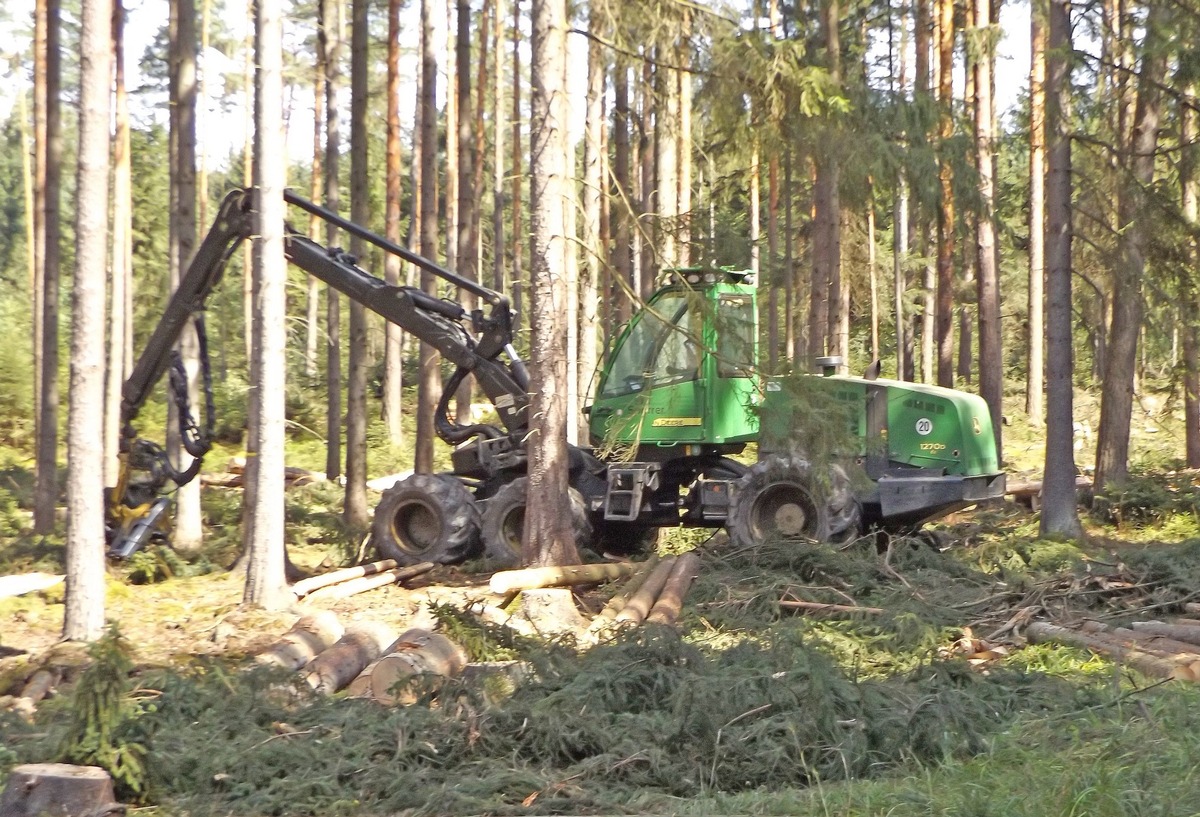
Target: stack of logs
[(370, 661), (339, 584), (1160, 649)]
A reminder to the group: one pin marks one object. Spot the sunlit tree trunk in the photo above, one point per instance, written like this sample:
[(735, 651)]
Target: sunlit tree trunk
[(265, 576), (312, 300), (945, 222), (498, 166), (622, 204), (329, 40), (774, 272), (50, 156), (593, 243), (121, 254), (467, 252), (355, 511), (1116, 402), (1060, 516), (1035, 380), (83, 616), (991, 364), (684, 151), (430, 384), (393, 350), (518, 236), (188, 534), (548, 535), (1190, 315)]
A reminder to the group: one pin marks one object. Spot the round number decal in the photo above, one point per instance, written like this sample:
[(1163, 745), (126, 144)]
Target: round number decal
[(924, 426)]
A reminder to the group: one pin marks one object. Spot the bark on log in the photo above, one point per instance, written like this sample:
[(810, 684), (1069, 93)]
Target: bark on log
[(306, 640), (39, 685), (337, 666), (58, 790), (1041, 632), (670, 601), (627, 591), (1159, 644), (533, 578), (306, 586), (416, 653), (639, 605), (820, 607)]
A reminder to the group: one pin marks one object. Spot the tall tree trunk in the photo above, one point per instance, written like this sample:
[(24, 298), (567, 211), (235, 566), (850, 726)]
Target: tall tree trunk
[(83, 617), (430, 384), (312, 326), (945, 221), (265, 576), (188, 534), (1189, 314), (1116, 402), (774, 273), (593, 243), (548, 534), (683, 131), (466, 211), (1060, 516), (498, 127), (330, 41), (645, 233), (452, 150), (355, 510), (45, 491), (122, 256), (622, 204), (393, 350), (872, 272), (918, 235), (518, 234), (1035, 380), (991, 363)]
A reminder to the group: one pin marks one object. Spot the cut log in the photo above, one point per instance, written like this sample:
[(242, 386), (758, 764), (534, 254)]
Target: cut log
[(337, 666), (58, 790), (306, 586), (640, 604), (821, 607), (308, 637), (670, 602), (415, 654), (622, 596), (1158, 644), (39, 685), (533, 578), (353, 587), (21, 583), (1040, 632)]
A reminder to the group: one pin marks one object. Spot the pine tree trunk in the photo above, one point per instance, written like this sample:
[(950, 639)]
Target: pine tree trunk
[(1036, 362), (1059, 516), (83, 617), (122, 252), (622, 204), (330, 38), (774, 273), (430, 383), (1116, 402), (498, 167), (45, 491), (991, 363), (945, 222), (466, 212), (517, 282), (593, 244), (1188, 133), (355, 511), (393, 350), (548, 537), (683, 199), (266, 584), (188, 533)]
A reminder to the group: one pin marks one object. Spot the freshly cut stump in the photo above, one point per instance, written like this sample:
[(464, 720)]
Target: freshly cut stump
[(58, 790)]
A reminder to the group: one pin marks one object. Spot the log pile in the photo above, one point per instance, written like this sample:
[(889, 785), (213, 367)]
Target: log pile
[(235, 476), (1155, 648), (340, 584)]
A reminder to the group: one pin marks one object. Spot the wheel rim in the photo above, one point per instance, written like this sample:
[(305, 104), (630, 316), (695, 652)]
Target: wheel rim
[(784, 509), (512, 527), (416, 527)]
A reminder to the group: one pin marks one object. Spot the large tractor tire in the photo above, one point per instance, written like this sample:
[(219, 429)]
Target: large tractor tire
[(504, 522), (426, 518), (781, 498)]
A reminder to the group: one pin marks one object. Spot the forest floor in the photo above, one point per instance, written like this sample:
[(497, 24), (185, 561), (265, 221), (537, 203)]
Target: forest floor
[(937, 701)]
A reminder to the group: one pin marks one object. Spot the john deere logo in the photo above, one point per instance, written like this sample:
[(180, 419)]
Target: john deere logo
[(975, 425), (676, 422)]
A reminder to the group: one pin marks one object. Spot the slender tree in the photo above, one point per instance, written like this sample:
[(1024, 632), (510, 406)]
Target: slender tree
[(1190, 195), (1060, 517), (498, 128), (265, 576), (49, 164), (1116, 402), (548, 535), (329, 35), (83, 618), (593, 242), (466, 212), (393, 350), (991, 364), (355, 510), (945, 221), (430, 384), (1035, 380)]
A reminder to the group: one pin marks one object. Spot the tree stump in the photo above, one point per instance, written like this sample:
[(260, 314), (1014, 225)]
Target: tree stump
[(58, 790), (551, 612)]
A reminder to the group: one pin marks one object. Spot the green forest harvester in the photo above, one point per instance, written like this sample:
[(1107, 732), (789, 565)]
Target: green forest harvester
[(677, 400)]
